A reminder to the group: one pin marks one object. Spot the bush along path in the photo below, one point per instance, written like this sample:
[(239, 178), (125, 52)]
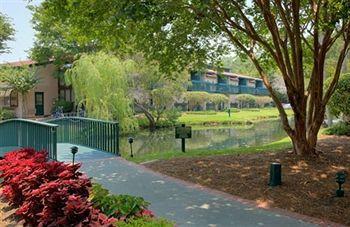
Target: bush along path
[(51, 193)]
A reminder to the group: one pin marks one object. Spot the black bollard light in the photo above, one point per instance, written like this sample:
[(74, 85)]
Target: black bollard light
[(275, 174), (74, 150), (131, 140), (340, 179)]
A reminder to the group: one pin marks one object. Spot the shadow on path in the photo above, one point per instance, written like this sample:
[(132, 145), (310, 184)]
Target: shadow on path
[(182, 203)]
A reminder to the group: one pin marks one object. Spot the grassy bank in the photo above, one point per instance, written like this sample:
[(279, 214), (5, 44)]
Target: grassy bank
[(271, 147), (243, 116), (275, 146)]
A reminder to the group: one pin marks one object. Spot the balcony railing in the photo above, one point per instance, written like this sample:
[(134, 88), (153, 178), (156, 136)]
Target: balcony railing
[(225, 88), (261, 91)]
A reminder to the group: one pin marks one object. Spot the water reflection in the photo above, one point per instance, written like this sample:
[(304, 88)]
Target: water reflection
[(212, 138)]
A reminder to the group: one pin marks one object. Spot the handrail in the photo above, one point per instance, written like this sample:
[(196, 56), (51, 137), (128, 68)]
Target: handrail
[(82, 118), (97, 134), (44, 123), (29, 133)]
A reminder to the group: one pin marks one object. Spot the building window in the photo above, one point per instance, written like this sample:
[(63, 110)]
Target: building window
[(64, 91), (14, 99), (9, 98), (242, 82), (62, 94)]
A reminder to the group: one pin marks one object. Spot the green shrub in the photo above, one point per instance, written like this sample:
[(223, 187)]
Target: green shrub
[(66, 105), (168, 119), (118, 206), (340, 129), (165, 123), (142, 122), (146, 222), (246, 100), (6, 114), (340, 100), (172, 115)]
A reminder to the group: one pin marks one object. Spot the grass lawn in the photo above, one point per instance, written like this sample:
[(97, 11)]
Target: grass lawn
[(271, 147), (242, 117)]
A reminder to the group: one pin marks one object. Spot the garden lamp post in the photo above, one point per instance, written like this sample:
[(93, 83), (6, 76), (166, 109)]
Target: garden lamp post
[(340, 179), (74, 150), (131, 140)]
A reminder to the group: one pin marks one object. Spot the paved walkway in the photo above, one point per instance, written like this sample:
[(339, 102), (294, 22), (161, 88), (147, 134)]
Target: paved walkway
[(185, 204)]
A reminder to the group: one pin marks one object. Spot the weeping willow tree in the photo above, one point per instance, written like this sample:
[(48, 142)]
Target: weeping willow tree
[(100, 84)]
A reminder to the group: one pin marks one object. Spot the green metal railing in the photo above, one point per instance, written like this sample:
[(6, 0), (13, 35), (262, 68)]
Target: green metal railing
[(96, 134), (28, 133), (261, 91), (226, 88)]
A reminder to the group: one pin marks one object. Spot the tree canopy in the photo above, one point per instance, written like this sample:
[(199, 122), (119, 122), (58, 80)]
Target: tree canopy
[(292, 37), (155, 92), (6, 32), (21, 80)]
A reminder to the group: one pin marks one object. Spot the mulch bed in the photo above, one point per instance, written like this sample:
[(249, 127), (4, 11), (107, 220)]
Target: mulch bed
[(308, 185), (7, 216)]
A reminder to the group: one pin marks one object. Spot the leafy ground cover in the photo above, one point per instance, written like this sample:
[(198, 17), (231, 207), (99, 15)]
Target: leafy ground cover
[(242, 116), (339, 129), (51, 193), (308, 185)]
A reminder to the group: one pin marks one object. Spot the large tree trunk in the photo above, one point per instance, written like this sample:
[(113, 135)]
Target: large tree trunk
[(24, 103), (304, 135), (22, 106)]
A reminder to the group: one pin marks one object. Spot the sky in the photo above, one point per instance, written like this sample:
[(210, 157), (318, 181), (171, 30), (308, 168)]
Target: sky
[(24, 37)]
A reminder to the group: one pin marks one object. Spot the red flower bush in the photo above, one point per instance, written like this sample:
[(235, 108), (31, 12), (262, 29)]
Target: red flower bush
[(48, 193)]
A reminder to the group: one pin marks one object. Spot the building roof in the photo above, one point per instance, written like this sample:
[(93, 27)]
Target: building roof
[(20, 63), (27, 62)]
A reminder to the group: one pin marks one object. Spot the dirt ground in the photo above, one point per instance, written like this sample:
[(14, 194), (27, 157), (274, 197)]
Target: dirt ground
[(308, 185), (6, 216)]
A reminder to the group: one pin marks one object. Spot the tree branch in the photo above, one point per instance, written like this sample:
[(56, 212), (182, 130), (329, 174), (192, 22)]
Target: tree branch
[(337, 72), (263, 76)]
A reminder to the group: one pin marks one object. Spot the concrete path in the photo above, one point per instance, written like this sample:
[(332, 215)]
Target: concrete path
[(186, 204)]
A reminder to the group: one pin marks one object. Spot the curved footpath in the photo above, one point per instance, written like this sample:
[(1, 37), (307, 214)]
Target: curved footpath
[(186, 204)]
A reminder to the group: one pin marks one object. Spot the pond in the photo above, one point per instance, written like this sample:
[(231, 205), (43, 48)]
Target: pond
[(209, 138)]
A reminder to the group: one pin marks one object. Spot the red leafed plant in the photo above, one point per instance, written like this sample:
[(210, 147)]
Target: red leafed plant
[(76, 206), (48, 193), (17, 170), (60, 202)]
